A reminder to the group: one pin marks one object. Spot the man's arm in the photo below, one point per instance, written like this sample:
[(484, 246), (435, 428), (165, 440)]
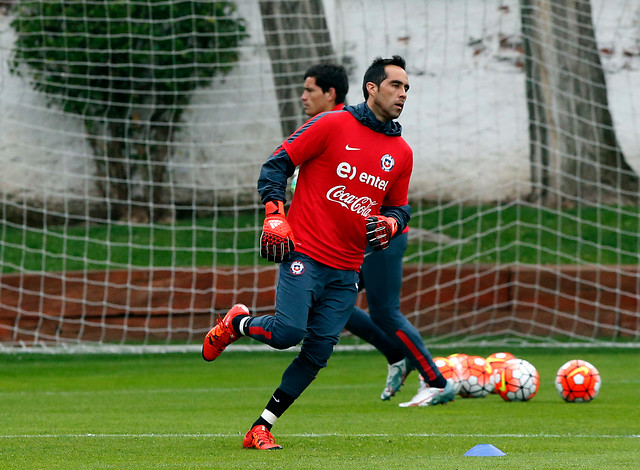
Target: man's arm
[(272, 183), (277, 240), (395, 214), (402, 214)]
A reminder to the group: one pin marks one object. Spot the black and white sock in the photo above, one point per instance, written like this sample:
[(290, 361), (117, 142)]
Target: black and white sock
[(239, 324), (278, 404)]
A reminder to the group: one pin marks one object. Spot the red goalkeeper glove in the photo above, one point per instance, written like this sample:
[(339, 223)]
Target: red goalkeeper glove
[(276, 241), (380, 229)]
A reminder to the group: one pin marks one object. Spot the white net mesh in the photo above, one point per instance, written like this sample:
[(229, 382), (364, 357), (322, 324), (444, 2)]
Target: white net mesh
[(131, 136)]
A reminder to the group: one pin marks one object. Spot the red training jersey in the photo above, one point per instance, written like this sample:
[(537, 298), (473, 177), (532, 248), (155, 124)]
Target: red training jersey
[(347, 171)]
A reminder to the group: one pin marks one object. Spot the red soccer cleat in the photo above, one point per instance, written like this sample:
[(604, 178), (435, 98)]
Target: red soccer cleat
[(223, 334), (260, 438)]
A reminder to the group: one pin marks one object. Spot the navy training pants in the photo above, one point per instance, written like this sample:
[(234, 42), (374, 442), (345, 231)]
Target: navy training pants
[(313, 304)]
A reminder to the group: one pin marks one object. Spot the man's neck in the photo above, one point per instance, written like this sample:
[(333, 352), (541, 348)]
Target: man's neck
[(376, 112)]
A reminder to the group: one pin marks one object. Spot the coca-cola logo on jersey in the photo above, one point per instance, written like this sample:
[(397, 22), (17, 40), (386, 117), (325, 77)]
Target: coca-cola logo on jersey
[(360, 205)]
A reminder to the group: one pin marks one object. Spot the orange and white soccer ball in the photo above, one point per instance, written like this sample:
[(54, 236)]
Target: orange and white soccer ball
[(517, 380), (496, 361), (476, 377), (578, 381), (457, 358), (449, 371)]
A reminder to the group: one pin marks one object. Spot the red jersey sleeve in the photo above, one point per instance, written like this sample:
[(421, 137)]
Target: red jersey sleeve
[(309, 141)]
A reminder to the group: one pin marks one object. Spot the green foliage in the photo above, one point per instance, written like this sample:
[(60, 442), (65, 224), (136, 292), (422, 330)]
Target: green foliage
[(176, 411), (111, 59), (488, 234), (128, 68)]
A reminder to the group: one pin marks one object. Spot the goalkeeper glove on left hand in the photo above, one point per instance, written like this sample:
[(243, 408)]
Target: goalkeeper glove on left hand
[(380, 229), (276, 241)]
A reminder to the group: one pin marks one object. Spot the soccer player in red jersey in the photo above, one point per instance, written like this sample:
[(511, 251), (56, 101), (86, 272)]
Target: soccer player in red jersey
[(354, 178), (325, 88)]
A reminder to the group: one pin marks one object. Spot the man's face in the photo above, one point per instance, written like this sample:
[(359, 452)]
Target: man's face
[(316, 101), (387, 100)]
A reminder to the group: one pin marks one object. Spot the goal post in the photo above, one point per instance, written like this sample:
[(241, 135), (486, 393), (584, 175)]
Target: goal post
[(132, 134)]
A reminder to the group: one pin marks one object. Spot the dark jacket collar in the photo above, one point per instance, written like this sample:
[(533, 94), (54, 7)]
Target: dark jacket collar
[(363, 114)]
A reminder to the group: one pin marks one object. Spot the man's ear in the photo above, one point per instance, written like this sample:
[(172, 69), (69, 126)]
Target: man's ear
[(332, 94), (372, 88)]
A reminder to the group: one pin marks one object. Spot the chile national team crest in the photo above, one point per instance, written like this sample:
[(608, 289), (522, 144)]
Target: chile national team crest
[(296, 268), (387, 162)]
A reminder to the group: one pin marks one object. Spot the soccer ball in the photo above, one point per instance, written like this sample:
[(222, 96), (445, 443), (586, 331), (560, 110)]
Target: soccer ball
[(449, 371), (578, 381), (457, 358), (476, 377), (496, 361), (517, 380), (499, 358)]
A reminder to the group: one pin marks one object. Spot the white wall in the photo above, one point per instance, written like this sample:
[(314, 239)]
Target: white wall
[(465, 118)]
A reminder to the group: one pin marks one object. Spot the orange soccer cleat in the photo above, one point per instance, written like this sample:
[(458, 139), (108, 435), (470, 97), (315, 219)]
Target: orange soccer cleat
[(223, 334), (260, 438)]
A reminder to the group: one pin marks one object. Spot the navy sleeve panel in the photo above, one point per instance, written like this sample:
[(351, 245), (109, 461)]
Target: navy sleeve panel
[(401, 213), (272, 183)]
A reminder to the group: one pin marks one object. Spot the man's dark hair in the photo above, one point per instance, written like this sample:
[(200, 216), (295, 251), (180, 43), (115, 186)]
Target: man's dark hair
[(330, 76), (376, 74)]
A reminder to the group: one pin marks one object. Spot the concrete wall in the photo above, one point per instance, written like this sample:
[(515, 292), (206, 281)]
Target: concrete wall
[(466, 116), (478, 301)]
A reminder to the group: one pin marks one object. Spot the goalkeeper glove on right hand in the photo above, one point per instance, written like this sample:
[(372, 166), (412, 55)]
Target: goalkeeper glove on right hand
[(276, 241), (380, 229)]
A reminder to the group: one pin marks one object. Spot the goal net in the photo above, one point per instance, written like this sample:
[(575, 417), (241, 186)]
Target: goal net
[(132, 134)]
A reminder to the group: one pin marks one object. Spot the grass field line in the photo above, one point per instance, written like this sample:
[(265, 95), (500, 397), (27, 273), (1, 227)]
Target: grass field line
[(55, 393), (322, 435), (145, 391), (130, 391)]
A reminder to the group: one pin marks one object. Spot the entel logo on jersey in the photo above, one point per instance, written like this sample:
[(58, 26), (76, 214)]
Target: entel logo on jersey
[(359, 205), (296, 268), (387, 162), (345, 170)]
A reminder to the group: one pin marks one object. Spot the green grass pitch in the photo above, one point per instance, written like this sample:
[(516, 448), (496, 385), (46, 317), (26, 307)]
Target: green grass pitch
[(176, 411)]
